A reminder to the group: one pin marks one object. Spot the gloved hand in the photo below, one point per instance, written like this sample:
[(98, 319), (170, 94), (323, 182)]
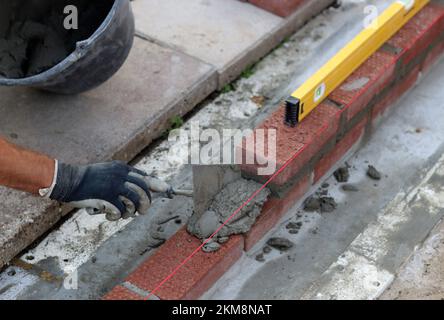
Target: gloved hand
[(113, 188)]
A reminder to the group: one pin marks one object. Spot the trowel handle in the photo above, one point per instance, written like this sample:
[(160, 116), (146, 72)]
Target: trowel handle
[(185, 193), (156, 186), (159, 186)]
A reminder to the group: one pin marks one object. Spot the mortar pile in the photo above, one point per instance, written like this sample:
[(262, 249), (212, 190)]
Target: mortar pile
[(33, 37)]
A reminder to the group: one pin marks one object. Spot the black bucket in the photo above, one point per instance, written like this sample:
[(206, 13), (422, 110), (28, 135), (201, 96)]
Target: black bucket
[(93, 61)]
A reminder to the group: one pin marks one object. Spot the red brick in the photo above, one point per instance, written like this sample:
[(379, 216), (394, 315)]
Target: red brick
[(365, 83), (282, 8), (395, 93), (274, 210), (419, 32), (121, 293), (432, 57), (195, 277), (342, 147), (298, 144)]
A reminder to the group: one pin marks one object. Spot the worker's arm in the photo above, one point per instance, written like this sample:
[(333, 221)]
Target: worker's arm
[(113, 188), (24, 170)]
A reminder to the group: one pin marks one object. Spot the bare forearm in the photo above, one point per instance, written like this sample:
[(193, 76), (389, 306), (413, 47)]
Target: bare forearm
[(113, 188), (24, 170)]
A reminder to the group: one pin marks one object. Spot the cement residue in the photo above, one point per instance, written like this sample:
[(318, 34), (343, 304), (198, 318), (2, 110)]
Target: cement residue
[(33, 37), (356, 84), (350, 188), (274, 77), (223, 206), (280, 244), (320, 204), (373, 173), (294, 227), (342, 174)]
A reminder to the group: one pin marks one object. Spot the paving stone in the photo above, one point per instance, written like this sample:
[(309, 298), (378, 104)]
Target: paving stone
[(116, 120), (217, 32)]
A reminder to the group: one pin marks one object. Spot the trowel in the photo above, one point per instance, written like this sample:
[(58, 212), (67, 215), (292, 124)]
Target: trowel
[(208, 181), (156, 186)]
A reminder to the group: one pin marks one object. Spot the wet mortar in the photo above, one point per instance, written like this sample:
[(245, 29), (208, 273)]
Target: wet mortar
[(225, 203), (33, 37)]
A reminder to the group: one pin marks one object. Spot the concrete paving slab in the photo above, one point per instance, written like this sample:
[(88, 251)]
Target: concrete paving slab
[(214, 31), (229, 34), (116, 120), (368, 266)]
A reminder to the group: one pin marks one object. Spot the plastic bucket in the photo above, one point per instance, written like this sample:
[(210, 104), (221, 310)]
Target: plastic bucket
[(93, 61)]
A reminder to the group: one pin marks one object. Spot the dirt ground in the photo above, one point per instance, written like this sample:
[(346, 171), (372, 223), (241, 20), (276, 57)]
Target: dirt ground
[(422, 277)]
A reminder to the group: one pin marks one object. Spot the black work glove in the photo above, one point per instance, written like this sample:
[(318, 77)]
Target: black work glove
[(113, 188)]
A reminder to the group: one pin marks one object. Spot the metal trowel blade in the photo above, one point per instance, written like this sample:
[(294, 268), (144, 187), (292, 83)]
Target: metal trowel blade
[(208, 181)]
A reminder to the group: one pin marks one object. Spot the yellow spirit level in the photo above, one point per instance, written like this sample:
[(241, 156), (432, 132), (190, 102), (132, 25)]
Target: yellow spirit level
[(351, 57)]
